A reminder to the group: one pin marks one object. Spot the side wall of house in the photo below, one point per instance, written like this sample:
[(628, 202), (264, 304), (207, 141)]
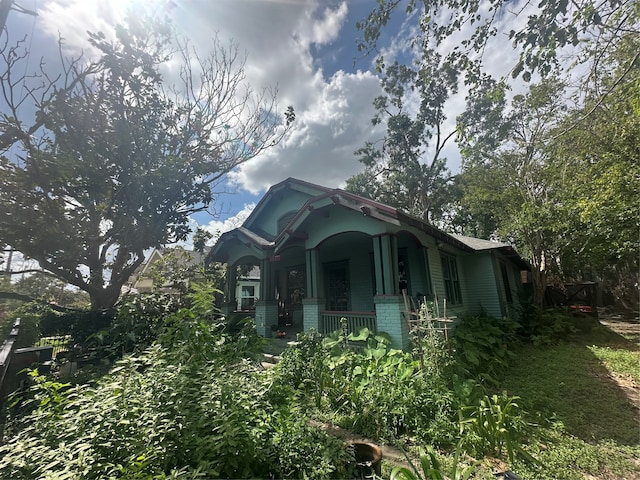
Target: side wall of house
[(435, 264), (483, 293)]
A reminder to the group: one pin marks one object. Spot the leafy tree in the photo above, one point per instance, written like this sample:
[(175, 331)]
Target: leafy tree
[(516, 185), (406, 169), (52, 290), (564, 189), (551, 28), (599, 145), (116, 159), (177, 270)]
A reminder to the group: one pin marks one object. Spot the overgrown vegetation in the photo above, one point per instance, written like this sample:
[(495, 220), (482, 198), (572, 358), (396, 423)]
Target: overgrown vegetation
[(194, 404), (189, 398)]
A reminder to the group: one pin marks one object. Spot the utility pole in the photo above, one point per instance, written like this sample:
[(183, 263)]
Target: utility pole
[(5, 7)]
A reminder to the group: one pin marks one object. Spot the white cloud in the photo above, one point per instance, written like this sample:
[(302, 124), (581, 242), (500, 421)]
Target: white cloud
[(333, 109), (217, 227), (333, 114), (326, 28), (320, 148)]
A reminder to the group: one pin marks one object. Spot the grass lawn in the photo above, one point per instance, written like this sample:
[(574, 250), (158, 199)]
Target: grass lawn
[(587, 423)]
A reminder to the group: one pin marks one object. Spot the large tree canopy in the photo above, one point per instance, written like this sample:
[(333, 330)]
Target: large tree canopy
[(564, 185), (551, 31), (116, 158), (407, 168), (553, 176)]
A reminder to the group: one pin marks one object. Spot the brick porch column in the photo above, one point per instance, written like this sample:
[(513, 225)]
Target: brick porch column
[(389, 318), (311, 316)]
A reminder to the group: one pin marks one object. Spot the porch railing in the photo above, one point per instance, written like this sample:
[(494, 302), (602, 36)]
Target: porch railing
[(330, 321)]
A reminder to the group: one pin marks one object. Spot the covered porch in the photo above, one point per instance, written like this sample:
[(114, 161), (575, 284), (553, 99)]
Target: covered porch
[(313, 284)]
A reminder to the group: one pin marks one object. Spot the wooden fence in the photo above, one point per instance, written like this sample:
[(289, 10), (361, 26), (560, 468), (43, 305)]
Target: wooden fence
[(6, 352)]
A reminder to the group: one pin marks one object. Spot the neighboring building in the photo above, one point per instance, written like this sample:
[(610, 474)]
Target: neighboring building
[(142, 280), (326, 253), (248, 290)]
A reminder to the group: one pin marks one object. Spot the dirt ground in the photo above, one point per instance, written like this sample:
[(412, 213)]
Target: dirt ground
[(630, 330)]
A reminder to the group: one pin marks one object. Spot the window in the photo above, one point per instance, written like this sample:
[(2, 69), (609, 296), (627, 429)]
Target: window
[(337, 278), (505, 283), (451, 280), (248, 297)]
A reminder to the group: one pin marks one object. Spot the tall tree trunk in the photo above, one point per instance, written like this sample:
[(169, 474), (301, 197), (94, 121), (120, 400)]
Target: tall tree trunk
[(104, 298), (539, 286)]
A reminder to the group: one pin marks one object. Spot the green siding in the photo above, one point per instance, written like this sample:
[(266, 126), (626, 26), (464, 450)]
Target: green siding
[(340, 221), (280, 204), (479, 271), (435, 262)]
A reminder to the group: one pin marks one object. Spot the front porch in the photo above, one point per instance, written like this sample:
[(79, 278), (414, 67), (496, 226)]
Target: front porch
[(332, 321), (352, 275)]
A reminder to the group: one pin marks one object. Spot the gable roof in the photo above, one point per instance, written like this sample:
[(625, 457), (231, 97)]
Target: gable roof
[(290, 183), (322, 196), (478, 244)]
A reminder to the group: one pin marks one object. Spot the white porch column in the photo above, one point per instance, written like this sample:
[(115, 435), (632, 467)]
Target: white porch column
[(230, 303), (267, 305), (313, 304)]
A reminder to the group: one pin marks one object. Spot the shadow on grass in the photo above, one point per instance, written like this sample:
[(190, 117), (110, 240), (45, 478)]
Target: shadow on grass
[(569, 384)]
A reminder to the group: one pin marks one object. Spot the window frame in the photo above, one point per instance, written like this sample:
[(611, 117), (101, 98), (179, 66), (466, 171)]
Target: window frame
[(451, 279), (243, 297)]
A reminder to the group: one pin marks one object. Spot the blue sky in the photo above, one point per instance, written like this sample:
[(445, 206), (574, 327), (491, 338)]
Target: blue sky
[(304, 47)]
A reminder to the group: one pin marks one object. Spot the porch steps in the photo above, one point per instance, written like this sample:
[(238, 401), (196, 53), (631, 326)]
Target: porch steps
[(269, 360), (272, 356)]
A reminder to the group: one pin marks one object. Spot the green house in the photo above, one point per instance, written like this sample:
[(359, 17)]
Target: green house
[(326, 253)]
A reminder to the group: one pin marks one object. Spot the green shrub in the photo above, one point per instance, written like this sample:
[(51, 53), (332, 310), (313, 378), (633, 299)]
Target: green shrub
[(365, 384), (196, 408), (431, 468), (80, 324), (29, 330), (483, 346), (305, 451), (135, 325), (553, 326), (549, 326), (494, 427)]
